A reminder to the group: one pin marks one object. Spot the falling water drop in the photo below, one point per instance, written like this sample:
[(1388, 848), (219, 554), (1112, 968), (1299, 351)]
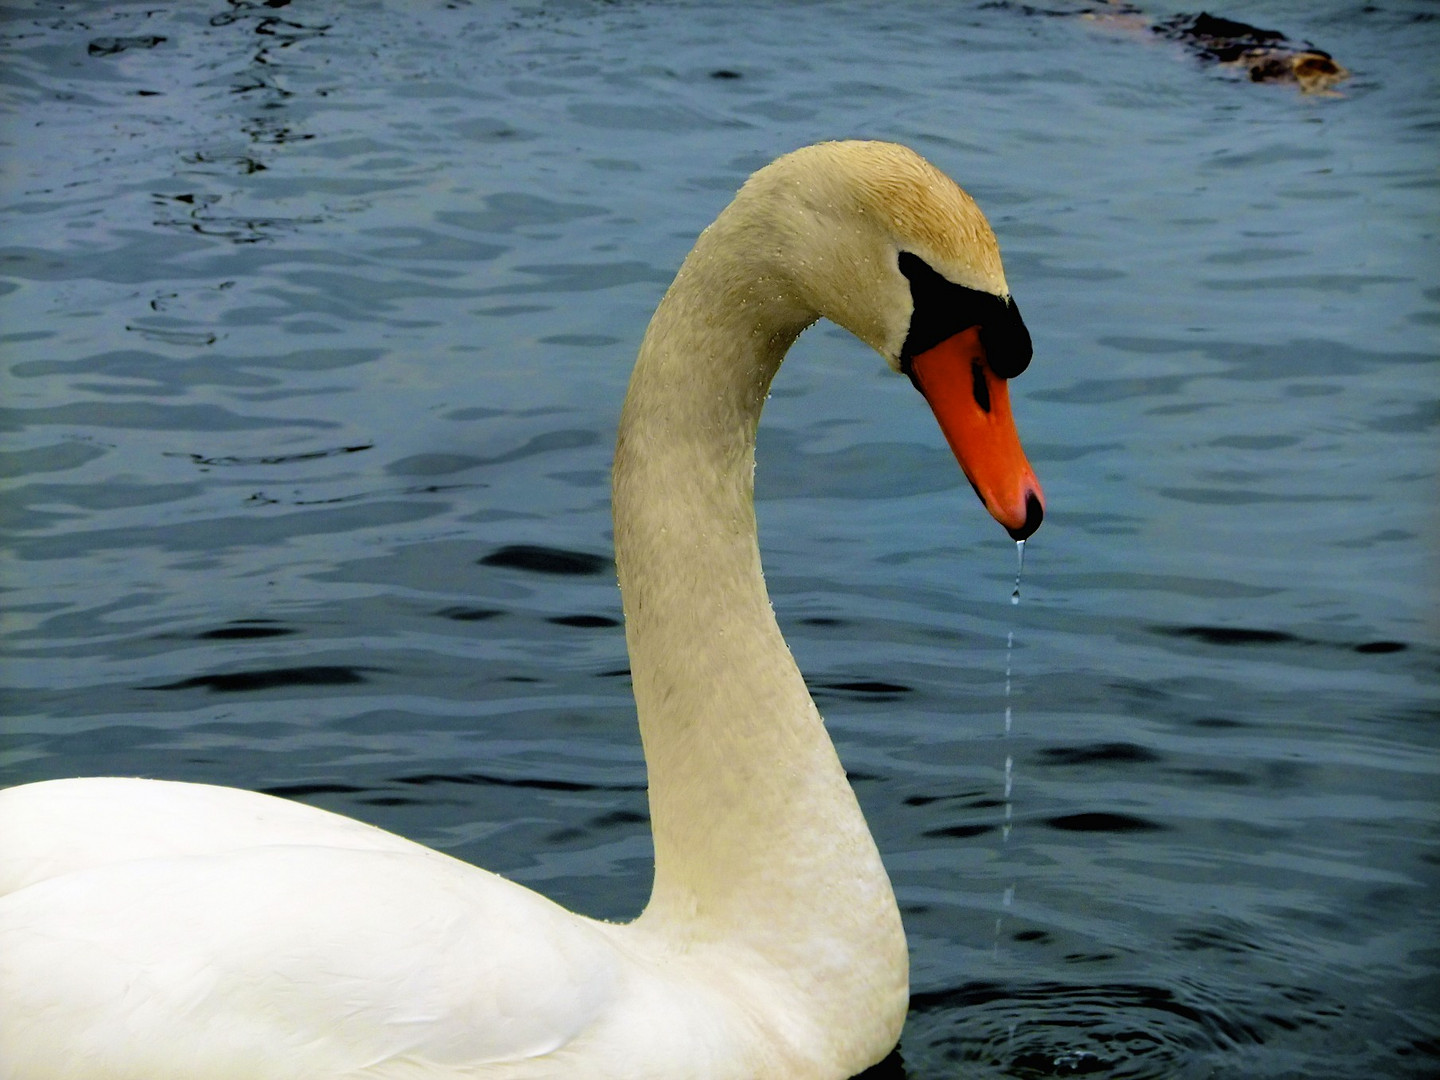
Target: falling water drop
[(1009, 652), (1009, 810), (1009, 659), (1008, 898)]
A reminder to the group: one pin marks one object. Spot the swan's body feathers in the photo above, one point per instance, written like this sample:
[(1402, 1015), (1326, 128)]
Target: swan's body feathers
[(332, 949)]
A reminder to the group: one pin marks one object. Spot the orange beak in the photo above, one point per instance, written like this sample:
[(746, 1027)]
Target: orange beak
[(972, 404)]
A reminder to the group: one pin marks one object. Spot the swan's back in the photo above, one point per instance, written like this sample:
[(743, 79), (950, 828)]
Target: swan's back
[(57, 827), (270, 926)]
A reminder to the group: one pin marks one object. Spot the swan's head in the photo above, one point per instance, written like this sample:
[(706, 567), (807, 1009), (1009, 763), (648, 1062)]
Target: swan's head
[(878, 240)]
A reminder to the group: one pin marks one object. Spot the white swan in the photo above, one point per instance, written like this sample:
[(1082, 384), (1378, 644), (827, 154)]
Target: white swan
[(161, 930)]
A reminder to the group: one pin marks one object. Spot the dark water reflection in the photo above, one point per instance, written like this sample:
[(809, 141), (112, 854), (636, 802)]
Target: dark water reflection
[(315, 322)]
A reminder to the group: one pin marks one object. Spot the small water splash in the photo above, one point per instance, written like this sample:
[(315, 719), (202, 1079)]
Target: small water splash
[(1019, 569)]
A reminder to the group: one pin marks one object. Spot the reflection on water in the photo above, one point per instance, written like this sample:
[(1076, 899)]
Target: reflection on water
[(316, 320)]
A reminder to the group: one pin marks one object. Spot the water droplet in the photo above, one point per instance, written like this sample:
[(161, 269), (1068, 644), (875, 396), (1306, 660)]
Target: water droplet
[(1008, 898)]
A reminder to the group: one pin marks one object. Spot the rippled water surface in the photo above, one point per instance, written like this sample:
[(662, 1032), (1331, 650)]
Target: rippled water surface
[(316, 321)]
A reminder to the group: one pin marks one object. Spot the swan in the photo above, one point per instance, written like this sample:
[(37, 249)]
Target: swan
[(153, 929)]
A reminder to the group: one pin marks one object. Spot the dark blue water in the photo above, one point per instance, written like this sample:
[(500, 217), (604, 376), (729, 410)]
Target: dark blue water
[(315, 325)]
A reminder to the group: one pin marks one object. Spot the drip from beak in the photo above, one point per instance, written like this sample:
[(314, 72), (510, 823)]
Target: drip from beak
[(972, 405)]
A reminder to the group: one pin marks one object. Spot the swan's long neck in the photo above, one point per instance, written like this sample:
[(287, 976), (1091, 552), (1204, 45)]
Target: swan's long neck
[(759, 841)]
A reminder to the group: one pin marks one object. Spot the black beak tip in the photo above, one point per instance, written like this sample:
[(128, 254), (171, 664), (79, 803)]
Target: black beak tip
[(1034, 515)]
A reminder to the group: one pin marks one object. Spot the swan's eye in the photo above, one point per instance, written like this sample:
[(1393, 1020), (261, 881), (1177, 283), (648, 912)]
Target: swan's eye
[(942, 309)]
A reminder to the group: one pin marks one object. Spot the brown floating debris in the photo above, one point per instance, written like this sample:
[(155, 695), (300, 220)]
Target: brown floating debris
[(1265, 55), (1268, 55)]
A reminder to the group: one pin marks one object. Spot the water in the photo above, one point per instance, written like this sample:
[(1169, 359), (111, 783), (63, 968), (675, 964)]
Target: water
[(316, 326)]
